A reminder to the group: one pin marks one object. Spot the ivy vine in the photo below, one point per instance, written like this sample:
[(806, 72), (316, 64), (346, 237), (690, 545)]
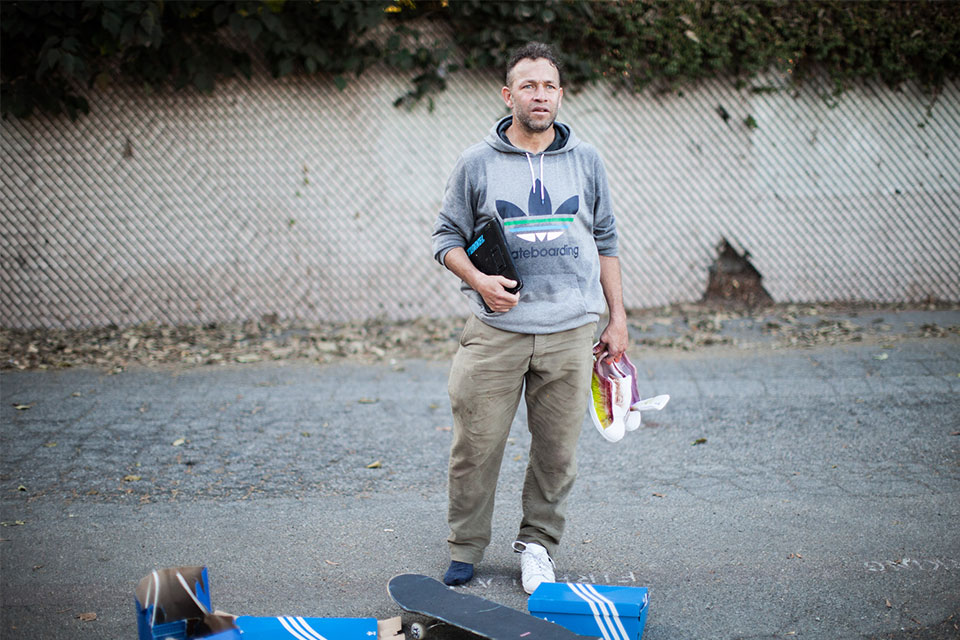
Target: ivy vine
[(55, 52)]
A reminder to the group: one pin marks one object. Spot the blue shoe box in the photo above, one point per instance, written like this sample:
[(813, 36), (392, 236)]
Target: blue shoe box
[(290, 627), (284, 627), (603, 611)]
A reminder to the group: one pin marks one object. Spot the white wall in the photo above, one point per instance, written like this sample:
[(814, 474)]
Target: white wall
[(291, 197)]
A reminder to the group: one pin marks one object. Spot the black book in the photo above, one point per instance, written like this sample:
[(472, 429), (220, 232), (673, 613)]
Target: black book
[(489, 253)]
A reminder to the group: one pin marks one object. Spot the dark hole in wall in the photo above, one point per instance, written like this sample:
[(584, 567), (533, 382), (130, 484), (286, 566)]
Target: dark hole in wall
[(734, 281)]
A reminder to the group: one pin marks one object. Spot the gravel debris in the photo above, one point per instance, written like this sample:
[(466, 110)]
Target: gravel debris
[(684, 327)]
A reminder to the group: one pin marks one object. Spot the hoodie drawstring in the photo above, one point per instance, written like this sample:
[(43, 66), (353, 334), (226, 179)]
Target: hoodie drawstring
[(533, 177)]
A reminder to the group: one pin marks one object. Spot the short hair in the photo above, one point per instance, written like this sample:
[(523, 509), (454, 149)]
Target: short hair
[(532, 51)]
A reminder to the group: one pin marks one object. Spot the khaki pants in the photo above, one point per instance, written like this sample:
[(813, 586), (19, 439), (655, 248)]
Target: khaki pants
[(489, 372)]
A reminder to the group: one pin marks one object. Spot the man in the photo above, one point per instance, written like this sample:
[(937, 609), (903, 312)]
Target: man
[(538, 340)]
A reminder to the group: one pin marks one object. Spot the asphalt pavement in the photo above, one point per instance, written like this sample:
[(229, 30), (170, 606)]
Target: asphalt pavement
[(801, 492)]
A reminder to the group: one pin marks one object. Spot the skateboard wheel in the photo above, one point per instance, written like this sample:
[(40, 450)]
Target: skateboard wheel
[(418, 631)]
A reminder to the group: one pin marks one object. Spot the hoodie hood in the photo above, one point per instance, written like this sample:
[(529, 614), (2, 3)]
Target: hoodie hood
[(564, 141)]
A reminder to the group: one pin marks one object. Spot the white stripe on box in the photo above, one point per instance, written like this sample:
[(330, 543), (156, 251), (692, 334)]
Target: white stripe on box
[(601, 617), (613, 608), (599, 614), (293, 631), (310, 631)]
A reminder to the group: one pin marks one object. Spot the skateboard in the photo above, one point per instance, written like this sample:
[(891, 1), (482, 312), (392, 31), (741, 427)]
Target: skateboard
[(485, 618)]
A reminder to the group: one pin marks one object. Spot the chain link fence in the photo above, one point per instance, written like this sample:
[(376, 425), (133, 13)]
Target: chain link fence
[(293, 200)]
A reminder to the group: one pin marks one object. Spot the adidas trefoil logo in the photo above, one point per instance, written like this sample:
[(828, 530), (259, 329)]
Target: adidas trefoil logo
[(542, 224)]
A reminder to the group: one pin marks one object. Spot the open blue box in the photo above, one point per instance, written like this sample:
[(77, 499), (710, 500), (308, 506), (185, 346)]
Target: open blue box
[(174, 604), (603, 611)]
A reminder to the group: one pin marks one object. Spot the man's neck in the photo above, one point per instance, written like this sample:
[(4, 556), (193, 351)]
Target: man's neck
[(534, 142)]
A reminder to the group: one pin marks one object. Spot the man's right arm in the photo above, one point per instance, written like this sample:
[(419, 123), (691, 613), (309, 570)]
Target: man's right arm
[(493, 289)]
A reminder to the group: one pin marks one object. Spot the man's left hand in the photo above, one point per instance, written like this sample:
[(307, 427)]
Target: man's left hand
[(614, 340)]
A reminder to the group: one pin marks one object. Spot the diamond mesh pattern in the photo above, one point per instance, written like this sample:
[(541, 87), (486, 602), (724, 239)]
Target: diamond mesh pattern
[(292, 198)]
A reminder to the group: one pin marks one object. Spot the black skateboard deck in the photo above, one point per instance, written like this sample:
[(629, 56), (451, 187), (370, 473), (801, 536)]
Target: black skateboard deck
[(485, 618)]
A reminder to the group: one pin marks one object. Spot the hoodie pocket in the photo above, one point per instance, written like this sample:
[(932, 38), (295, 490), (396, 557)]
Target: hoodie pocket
[(552, 300)]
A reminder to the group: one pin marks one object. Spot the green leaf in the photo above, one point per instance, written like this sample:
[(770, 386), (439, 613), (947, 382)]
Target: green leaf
[(254, 28), (53, 57), (127, 31), (203, 80), (68, 63), (236, 23), (146, 22), (111, 22), (220, 13)]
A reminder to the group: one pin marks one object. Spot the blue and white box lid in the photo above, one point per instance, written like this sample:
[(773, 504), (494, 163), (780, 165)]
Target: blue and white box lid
[(607, 611)]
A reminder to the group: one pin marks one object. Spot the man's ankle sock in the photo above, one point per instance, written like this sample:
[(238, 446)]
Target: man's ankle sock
[(458, 573)]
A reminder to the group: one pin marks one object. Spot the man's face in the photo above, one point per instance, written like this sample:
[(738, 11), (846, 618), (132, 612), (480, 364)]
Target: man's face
[(533, 94)]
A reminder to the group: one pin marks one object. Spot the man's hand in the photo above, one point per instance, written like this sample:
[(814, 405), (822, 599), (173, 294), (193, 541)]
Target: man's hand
[(613, 340), (493, 290)]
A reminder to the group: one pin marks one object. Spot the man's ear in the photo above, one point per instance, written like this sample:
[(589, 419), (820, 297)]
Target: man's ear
[(507, 97)]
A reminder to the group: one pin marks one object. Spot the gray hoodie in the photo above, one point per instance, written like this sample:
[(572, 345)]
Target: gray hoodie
[(557, 217)]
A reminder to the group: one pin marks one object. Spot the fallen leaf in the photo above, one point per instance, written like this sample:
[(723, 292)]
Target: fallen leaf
[(332, 563), (21, 488), (889, 604), (659, 495), (50, 445), (881, 356), (131, 478), (179, 442), (367, 401), (87, 617), (700, 441), (15, 523), (375, 465), (388, 530), (22, 407)]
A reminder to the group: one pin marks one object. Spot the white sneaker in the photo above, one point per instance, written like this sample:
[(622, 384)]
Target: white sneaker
[(612, 393), (536, 565), (633, 420)]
